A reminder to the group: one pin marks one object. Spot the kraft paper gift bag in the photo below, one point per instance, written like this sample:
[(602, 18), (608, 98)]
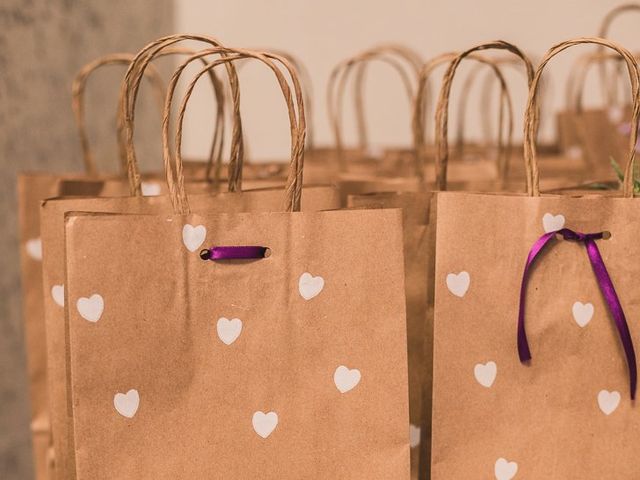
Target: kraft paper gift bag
[(406, 171), (601, 134), (364, 159), (257, 377), (314, 198), (507, 289), (415, 210), (32, 189), (418, 267), (568, 136), (597, 134), (276, 342), (482, 167)]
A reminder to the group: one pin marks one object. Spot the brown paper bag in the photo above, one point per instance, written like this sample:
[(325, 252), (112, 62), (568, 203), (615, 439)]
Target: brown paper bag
[(415, 205), (566, 414), (415, 212), (468, 165), (300, 405), (406, 171), (363, 159), (32, 189), (315, 198), (594, 135), (289, 379)]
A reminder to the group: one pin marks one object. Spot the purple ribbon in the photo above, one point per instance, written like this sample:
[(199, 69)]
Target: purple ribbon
[(606, 287), (233, 253)]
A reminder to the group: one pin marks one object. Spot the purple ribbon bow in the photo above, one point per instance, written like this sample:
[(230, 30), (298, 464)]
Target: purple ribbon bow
[(606, 287)]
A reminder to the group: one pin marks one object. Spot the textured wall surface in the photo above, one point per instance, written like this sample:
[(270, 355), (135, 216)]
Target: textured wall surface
[(42, 44)]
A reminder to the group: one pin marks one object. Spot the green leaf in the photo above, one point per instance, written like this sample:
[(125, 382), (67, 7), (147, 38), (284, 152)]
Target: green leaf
[(617, 169)]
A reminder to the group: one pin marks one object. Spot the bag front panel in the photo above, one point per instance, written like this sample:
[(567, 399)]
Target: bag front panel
[(567, 415), (184, 368)]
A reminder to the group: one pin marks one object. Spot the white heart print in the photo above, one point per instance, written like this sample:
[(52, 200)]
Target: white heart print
[(34, 248), (582, 313), (310, 286), (615, 114), (574, 152), (458, 283), (264, 423), (414, 436), (229, 330), (552, 223), (91, 308), (150, 189), (57, 292), (486, 373), (505, 470), (346, 379), (127, 403), (193, 237), (608, 401)]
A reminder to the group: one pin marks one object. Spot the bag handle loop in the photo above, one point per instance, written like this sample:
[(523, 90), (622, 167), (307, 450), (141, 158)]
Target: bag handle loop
[(531, 124), (293, 189), (129, 92), (78, 88), (442, 147)]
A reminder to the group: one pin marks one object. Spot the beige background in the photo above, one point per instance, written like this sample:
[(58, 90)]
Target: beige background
[(322, 33)]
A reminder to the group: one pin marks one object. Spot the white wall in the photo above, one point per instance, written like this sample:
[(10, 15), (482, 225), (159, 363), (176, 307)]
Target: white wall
[(322, 32)]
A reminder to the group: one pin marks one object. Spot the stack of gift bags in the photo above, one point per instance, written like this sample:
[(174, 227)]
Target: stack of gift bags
[(350, 312)]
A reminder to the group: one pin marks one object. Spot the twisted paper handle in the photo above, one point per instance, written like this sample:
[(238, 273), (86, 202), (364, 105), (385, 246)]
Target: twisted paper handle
[(129, 93), (531, 113), (442, 111), (293, 189), (78, 88)]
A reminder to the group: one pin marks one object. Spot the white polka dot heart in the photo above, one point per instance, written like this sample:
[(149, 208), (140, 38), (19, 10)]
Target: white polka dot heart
[(608, 401), (552, 223), (150, 189), (505, 470), (486, 373), (127, 404), (264, 423), (346, 379), (229, 330), (458, 283), (582, 313), (414, 436), (91, 308), (310, 286), (193, 237), (34, 248), (57, 293)]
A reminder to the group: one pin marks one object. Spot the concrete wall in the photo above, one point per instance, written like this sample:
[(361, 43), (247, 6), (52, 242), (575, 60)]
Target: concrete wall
[(42, 44)]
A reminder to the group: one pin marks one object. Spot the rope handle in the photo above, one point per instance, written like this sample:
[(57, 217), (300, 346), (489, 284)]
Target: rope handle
[(336, 89), (442, 148), (401, 52), (293, 189), (129, 92), (603, 32), (531, 124), (78, 88)]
